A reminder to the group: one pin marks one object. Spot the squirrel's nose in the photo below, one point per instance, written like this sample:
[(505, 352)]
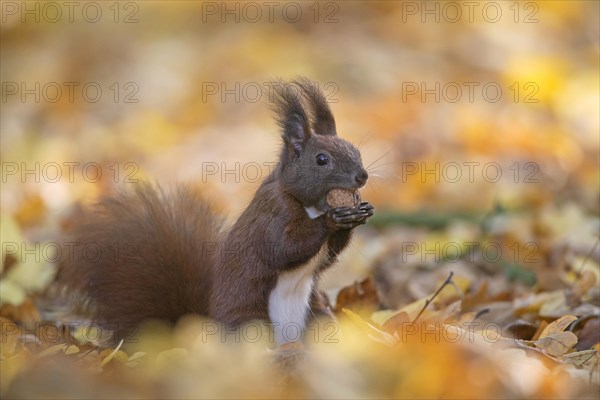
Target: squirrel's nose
[(361, 177)]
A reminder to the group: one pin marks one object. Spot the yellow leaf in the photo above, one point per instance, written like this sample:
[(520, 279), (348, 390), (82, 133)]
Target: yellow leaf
[(135, 359), (71, 349), (373, 333), (448, 293), (452, 291), (413, 308), (380, 317), (136, 356), (545, 77), (111, 355), (11, 293)]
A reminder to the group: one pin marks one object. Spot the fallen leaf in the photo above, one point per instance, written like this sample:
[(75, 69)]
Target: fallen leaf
[(472, 300), (108, 358), (71, 349), (375, 334), (136, 356), (452, 292), (360, 296), (589, 335), (546, 304), (554, 307), (558, 326), (396, 322), (557, 344), (540, 329), (583, 359), (520, 329)]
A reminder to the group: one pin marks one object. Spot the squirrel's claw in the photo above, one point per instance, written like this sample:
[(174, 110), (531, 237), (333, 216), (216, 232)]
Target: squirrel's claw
[(367, 207), (350, 217)]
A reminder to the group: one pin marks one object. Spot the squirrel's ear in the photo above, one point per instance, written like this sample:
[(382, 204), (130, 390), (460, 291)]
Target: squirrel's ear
[(295, 134), (291, 117), (322, 120)]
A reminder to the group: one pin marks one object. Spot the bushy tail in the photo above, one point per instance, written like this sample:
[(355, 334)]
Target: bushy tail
[(142, 255)]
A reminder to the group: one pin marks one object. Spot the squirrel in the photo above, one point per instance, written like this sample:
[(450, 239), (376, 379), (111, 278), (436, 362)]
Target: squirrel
[(162, 255)]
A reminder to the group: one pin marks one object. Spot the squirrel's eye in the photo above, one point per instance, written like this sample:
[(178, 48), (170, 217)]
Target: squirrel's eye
[(322, 159)]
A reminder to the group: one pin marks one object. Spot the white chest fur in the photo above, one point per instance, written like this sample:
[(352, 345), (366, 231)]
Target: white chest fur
[(289, 300)]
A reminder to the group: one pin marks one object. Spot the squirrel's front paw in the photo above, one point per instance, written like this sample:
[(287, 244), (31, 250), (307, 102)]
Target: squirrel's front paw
[(349, 217)]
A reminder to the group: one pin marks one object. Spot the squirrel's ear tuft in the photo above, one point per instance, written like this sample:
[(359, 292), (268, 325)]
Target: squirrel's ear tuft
[(291, 116), (322, 120)]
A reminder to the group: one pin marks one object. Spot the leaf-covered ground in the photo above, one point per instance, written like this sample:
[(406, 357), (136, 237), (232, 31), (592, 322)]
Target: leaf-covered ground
[(478, 276), (452, 325)]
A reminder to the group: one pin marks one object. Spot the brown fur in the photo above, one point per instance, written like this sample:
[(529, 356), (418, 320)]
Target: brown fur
[(179, 262), (150, 262)]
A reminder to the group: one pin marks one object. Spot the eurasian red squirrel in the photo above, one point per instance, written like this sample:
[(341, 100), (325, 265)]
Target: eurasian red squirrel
[(267, 264)]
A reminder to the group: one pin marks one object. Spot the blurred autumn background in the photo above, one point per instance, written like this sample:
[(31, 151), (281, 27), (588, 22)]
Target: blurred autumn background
[(480, 123)]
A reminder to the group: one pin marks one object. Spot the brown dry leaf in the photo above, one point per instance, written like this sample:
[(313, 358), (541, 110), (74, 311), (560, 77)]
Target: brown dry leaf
[(540, 329), (583, 359), (453, 311), (360, 296), (521, 330), (467, 318), (557, 344), (589, 335), (558, 326), (483, 337), (90, 358), (26, 312), (547, 304), (476, 298), (555, 306)]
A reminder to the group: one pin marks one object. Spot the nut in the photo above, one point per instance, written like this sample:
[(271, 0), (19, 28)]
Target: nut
[(343, 198)]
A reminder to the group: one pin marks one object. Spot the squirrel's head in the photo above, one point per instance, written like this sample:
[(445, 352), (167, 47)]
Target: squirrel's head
[(314, 160)]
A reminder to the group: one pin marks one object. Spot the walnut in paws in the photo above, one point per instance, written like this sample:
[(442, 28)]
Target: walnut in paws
[(343, 198)]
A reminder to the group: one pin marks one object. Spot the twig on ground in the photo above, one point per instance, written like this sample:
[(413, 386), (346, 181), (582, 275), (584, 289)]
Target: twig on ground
[(428, 301)]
